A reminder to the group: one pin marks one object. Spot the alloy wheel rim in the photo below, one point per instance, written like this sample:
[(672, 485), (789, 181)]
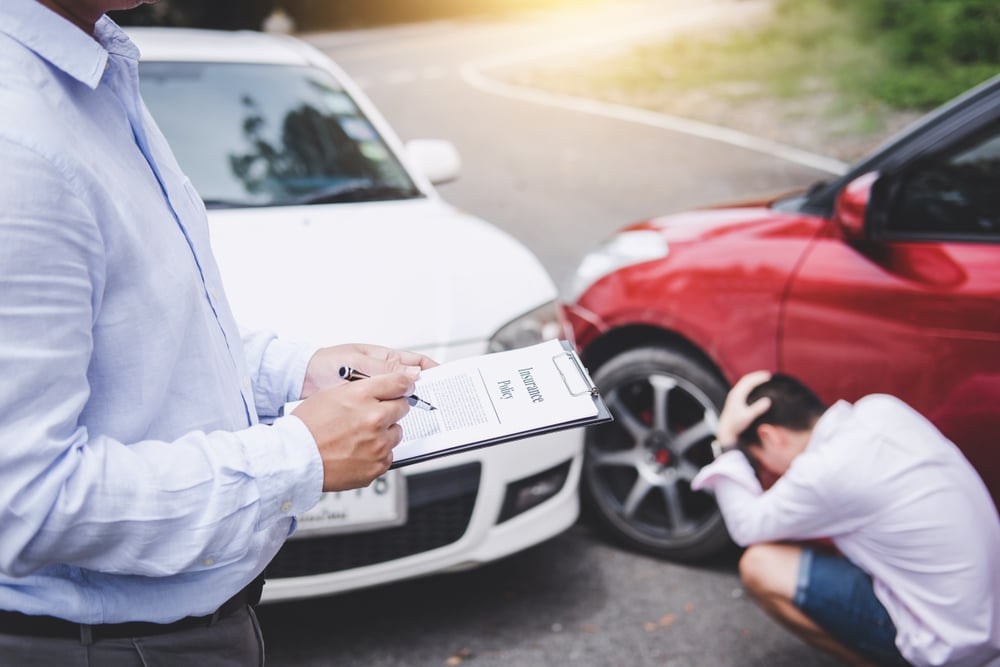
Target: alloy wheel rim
[(640, 467)]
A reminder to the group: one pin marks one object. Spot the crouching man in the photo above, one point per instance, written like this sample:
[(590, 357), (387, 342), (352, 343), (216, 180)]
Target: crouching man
[(877, 541)]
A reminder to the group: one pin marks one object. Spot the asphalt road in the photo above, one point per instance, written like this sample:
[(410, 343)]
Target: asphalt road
[(559, 178), (573, 600)]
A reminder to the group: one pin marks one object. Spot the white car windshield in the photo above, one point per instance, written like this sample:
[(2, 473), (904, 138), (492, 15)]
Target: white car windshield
[(270, 135)]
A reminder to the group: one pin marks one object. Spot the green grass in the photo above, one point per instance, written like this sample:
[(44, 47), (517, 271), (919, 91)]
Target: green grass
[(809, 46), (931, 50), (805, 47)]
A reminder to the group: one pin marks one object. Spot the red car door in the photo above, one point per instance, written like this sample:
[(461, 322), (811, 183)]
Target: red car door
[(913, 310)]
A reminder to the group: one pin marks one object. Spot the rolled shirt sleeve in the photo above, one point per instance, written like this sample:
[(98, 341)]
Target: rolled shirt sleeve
[(278, 370), (795, 507)]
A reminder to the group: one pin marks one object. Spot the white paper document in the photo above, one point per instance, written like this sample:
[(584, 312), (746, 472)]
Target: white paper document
[(498, 397)]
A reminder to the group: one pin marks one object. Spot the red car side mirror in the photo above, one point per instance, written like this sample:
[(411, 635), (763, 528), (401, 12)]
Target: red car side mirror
[(849, 208)]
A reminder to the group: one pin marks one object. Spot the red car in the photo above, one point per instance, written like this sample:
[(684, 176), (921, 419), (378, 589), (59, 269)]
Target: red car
[(886, 279)]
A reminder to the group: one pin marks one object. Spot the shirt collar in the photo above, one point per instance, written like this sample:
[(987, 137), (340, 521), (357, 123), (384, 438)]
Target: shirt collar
[(828, 423), (62, 44)]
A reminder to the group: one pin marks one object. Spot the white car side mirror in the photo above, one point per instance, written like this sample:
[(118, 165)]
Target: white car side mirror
[(436, 159)]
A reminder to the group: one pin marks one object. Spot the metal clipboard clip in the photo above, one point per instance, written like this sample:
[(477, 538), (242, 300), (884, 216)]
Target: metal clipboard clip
[(574, 375)]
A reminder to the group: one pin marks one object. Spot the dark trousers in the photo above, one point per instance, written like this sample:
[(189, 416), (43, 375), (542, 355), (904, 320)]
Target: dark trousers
[(233, 641)]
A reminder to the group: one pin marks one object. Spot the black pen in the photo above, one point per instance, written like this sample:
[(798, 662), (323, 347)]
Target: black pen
[(351, 374)]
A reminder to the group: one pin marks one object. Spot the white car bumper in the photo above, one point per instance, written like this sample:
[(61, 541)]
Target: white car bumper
[(461, 498)]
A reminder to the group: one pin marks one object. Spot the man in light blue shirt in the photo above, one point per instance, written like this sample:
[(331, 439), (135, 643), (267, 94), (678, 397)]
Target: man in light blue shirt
[(139, 492)]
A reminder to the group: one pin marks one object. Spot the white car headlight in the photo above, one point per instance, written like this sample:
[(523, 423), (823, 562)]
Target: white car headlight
[(624, 249), (536, 326)]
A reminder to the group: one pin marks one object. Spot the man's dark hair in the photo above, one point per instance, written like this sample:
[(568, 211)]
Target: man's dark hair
[(793, 406)]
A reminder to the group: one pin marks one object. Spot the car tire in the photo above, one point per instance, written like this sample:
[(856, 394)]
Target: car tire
[(637, 469)]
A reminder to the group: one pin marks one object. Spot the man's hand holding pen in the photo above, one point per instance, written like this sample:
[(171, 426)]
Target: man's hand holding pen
[(356, 424), (324, 367), (350, 374)]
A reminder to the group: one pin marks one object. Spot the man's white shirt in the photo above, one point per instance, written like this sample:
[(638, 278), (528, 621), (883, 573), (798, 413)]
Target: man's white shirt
[(902, 503)]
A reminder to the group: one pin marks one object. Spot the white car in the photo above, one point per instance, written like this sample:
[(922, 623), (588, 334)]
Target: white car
[(327, 229)]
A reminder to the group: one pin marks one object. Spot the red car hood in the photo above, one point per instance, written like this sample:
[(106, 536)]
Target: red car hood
[(751, 217)]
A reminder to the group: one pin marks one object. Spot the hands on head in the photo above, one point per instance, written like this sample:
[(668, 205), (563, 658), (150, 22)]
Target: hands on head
[(736, 415), (355, 425)]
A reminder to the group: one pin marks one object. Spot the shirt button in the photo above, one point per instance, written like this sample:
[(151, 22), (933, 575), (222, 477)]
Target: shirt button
[(286, 506), (208, 562)]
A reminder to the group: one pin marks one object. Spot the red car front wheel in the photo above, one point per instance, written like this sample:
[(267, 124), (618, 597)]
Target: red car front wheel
[(638, 469)]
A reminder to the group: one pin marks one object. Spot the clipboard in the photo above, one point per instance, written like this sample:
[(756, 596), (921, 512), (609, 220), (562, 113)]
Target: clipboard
[(521, 393)]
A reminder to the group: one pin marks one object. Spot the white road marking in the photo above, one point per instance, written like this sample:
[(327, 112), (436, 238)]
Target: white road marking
[(474, 74), (726, 135)]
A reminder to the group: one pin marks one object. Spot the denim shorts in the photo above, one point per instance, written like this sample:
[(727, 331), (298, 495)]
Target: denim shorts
[(838, 596)]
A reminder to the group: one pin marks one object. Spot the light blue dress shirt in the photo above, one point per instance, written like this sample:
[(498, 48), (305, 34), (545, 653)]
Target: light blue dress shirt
[(136, 483)]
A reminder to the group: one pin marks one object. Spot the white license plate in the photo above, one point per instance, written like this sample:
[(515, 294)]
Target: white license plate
[(379, 505)]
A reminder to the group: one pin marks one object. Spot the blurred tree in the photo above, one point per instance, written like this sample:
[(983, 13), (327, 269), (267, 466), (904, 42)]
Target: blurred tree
[(315, 14), (936, 48), (218, 14), (936, 31)]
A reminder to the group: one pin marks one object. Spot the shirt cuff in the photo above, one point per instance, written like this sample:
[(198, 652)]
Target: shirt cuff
[(281, 374), (732, 466), (285, 461)]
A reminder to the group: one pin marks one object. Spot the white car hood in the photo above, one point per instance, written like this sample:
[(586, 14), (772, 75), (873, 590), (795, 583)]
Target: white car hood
[(416, 275)]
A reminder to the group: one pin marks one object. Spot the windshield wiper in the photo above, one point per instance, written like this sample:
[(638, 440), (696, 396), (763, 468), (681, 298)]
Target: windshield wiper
[(354, 192), (816, 187), (226, 203)]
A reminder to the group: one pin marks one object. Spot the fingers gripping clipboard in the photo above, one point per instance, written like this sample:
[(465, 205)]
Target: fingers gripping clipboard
[(500, 397)]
